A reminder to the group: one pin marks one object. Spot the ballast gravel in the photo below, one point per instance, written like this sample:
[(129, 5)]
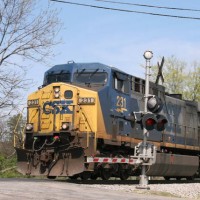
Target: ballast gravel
[(185, 191)]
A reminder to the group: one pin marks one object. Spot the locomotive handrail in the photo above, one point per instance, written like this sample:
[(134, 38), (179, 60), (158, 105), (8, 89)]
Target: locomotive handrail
[(86, 120)]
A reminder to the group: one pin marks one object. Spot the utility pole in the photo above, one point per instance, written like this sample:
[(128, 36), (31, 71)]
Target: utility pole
[(143, 184)]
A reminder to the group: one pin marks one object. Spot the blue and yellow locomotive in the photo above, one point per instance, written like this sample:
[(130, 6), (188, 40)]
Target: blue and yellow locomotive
[(90, 111)]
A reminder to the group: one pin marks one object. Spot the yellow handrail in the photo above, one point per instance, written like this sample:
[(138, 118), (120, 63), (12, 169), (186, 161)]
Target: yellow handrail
[(14, 131), (88, 123)]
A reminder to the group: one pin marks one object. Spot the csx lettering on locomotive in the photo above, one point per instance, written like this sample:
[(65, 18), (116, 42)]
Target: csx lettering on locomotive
[(57, 107)]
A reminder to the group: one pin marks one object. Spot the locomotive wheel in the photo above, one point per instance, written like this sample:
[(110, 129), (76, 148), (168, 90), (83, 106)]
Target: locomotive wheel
[(124, 175), (105, 173), (85, 176), (51, 177), (190, 178), (74, 177), (94, 176), (167, 178), (124, 171)]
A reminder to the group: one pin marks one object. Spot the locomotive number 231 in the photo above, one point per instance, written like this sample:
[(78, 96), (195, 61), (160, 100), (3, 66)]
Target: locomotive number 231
[(121, 104)]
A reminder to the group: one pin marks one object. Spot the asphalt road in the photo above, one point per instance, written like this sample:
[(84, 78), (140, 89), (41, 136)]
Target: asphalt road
[(25, 189)]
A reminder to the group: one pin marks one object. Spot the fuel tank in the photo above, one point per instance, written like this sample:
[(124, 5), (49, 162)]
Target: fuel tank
[(173, 165)]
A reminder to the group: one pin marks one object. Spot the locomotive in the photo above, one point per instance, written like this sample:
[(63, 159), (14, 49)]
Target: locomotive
[(86, 121)]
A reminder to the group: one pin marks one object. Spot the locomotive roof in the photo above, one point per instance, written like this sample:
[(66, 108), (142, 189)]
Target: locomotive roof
[(72, 67)]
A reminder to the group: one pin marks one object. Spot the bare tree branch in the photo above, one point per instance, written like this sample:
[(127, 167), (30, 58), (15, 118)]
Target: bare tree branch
[(26, 32)]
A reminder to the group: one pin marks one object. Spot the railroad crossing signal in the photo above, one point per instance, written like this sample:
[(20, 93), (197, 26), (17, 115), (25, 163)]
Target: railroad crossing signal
[(154, 104), (161, 123), (153, 120), (149, 121), (160, 75)]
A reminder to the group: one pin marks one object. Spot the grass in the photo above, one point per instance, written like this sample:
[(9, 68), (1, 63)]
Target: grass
[(8, 167)]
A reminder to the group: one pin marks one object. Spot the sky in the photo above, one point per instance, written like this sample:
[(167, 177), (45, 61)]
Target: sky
[(120, 39)]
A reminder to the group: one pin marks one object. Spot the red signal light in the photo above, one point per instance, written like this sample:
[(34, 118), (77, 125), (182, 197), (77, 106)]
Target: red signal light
[(149, 121), (162, 121)]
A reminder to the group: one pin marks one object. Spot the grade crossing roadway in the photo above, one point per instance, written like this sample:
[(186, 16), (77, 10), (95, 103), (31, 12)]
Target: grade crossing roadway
[(25, 189)]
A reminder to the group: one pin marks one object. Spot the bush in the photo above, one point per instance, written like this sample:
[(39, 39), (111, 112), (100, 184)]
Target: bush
[(8, 167)]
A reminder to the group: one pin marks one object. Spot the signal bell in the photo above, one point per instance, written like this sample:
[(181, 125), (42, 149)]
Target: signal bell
[(154, 104)]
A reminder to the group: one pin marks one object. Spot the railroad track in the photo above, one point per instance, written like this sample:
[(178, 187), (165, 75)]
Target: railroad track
[(129, 182)]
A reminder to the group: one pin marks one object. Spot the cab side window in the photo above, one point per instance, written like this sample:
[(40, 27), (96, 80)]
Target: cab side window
[(121, 82), (137, 85)]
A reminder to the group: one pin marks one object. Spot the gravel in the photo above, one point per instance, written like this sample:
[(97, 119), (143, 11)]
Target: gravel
[(186, 190)]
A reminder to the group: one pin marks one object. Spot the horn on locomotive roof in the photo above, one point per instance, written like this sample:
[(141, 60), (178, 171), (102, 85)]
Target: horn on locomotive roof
[(160, 75)]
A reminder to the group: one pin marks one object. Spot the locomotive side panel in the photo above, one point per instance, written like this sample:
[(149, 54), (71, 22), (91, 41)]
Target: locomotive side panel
[(174, 130), (191, 124), (181, 131)]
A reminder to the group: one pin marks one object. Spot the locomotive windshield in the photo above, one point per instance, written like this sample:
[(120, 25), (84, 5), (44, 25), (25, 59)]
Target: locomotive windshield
[(52, 78), (91, 77)]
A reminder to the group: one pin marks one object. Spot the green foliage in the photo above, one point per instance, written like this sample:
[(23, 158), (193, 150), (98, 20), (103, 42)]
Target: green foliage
[(178, 80), (16, 124), (192, 87), (8, 167), (10, 125)]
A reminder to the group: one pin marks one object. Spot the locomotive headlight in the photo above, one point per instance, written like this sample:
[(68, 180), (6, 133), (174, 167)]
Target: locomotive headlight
[(86, 100), (56, 92), (65, 125), (56, 95), (56, 89), (29, 127)]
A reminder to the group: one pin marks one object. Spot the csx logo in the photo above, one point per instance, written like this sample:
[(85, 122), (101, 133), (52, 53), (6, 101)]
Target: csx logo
[(57, 107)]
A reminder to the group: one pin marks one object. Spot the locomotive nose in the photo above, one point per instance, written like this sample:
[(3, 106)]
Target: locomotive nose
[(54, 110)]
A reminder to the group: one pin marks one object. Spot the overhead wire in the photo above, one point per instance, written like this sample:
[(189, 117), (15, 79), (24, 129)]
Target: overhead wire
[(129, 11), (149, 6)]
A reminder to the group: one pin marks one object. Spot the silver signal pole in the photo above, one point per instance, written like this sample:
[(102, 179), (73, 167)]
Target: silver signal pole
[(143, 184)]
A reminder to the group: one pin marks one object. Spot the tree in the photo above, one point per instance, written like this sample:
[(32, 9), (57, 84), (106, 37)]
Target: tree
[(13, 126), (3, 130), (27, 32), (192, 86), (16, 125), (178, 80)]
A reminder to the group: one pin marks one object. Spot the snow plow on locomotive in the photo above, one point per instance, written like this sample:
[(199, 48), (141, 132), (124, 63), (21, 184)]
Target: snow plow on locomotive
[(86, 121)]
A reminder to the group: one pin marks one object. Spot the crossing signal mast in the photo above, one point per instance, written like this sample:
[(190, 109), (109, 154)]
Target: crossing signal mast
[(150, 118)]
